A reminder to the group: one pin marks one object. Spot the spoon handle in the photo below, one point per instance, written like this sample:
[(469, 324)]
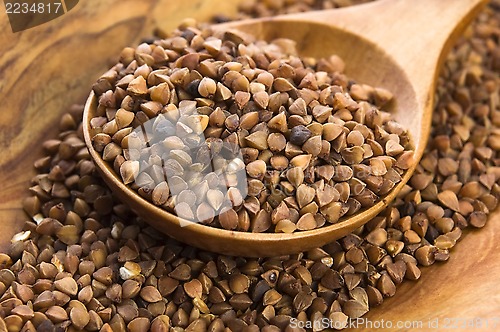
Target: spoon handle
[(416, 34)]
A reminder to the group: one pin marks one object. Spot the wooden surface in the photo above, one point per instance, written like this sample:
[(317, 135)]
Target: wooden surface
[(47, 68)]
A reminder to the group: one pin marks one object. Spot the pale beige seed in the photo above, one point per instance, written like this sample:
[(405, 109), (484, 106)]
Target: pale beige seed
[(425, 255), (378, 167), (326, 195), (321, 113), (377, 237), (137, 86), (301, 161), (207, 87), (124, 118), (306, 222), (261, 98), (393, 148), (355, 138), (257, 140), (160, 193), (339, 320), (353, 155), (331, 131), (129, 171), (201, 305), (234, 195), (279, 122), (215, 198), (256, 169), (12, 323), (139, 324), (129, 270), (332, 211), (283, 85), (280, 212), (405, 160), (342, 173), (279, 162), (325, 172), (241, 98), (161, 93), (223, 92), (23, 311), (285, 226)]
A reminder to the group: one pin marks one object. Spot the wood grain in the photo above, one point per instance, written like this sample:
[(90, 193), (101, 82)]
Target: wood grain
[(45, 69)]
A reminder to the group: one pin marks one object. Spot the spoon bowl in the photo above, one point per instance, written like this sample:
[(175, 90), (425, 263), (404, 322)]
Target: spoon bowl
[(391, 57)]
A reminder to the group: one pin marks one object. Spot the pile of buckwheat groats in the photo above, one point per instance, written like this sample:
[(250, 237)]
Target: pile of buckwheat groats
[(181, 117), (84, 261)]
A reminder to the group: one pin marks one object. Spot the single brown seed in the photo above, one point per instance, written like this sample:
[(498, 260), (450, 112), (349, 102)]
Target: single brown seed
[(279, 123), (386, 286), (150, 294), (137, 86), (478, 219), (355, 309), (449, 199), (412, 271), (193, 288), (67, 285), (56, 314), (23, 311), (425, 255), (276, 142), (261, 222), (313, 146), (239, 283), (256, 169), (181, 272), (79, 317), (306, 222), (257, 140), (229, 219)]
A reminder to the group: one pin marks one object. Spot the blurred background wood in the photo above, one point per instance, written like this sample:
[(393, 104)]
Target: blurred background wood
[(46, 69)]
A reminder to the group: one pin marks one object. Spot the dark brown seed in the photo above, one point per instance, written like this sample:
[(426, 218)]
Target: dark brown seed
[(240, 301), (299, 135)]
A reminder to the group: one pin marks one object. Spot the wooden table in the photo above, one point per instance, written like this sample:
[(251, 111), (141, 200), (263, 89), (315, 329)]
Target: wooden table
[(47, 68)]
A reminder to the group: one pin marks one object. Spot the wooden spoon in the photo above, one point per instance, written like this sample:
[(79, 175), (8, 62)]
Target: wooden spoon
[(396, 44)]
